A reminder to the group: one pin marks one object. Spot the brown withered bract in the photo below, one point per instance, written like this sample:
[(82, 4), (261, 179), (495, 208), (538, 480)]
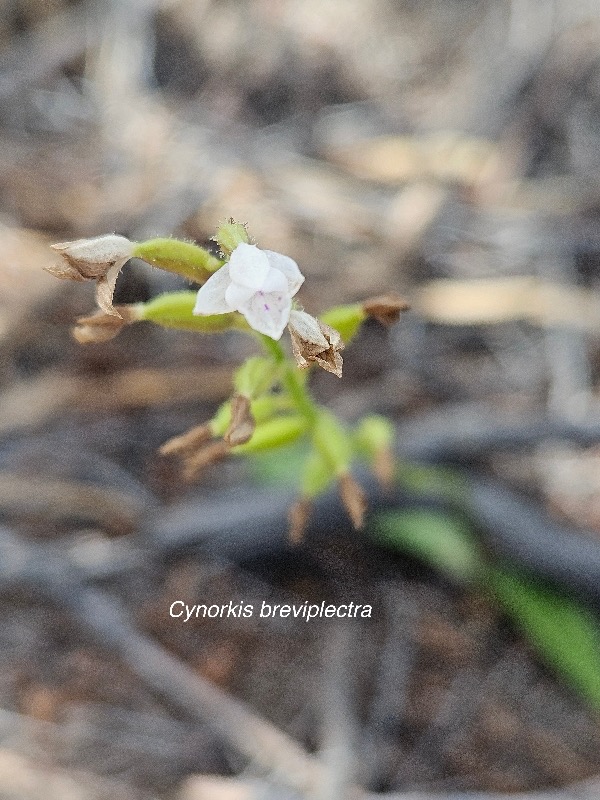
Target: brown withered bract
[(385, 308), (242, 423), (98, 259), (298, 516), (101, 327), (383, 467), (213, 452), (187, 443), (316, 342), (353, 498)]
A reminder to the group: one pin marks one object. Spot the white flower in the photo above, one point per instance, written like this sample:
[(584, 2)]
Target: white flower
[(259, 284)]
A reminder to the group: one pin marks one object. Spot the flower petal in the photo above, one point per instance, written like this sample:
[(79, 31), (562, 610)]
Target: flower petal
[(288, 267), (211, 296), (236, 295), (248, 266), (268, 312)]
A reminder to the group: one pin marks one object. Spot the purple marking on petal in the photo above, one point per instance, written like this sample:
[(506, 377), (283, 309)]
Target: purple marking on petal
[(266, 307)]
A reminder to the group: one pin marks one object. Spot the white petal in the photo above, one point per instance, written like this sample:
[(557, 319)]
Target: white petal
[(211, 297), (236, 295), (288, 267), (268, 312), (307, 328), (248, 266)]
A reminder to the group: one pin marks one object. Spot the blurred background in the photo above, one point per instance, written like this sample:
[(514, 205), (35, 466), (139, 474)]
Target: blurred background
[(445, 149)]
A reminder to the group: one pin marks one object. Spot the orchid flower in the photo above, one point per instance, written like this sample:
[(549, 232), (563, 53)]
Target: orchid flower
[(258, 283)]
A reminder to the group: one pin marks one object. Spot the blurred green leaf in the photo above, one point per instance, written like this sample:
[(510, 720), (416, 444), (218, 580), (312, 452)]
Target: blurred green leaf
[(563, 631), (443, 482), (281, 467), (442, 541)]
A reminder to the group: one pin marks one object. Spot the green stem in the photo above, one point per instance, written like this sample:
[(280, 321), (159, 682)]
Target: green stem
[(291, 380)]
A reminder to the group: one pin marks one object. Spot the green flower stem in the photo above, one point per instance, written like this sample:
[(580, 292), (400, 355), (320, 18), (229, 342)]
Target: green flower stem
[(291, 380)]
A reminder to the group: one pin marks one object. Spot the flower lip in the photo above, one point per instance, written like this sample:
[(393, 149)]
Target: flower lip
[(258, 283)]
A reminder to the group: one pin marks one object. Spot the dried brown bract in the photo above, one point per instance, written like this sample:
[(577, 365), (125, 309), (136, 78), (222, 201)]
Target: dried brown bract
[(384, 465), (187, 443), (386, 308), (242, 423), (213, 452), (99, 259), (315, 341), (353, 498), (298, 516), (101, 327)]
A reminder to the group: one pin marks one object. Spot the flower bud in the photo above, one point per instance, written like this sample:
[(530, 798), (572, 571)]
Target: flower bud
[(316, 475), (333, 443), (174, 310), (184, 258), (274, 433), (255, 377), (229, 235)]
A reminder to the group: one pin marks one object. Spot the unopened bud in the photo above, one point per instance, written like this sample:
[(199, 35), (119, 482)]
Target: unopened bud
[(353, 498), (333, 443), (229, 235), (255, 377), (386, 308), (184, 258), (316, 342), (242, 423), (101, 327), (174, 310), (274, 433), (316, 474)]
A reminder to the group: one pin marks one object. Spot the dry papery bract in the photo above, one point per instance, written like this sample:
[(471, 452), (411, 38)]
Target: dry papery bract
[(298, 516), (316, 342), (386, 308), (242, 423), (353, 498), (101, 327), (99, 259), (187, 443)]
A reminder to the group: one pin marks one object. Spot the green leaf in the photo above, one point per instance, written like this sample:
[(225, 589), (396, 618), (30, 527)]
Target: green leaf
[(345, 319), (563, 631), (442, 541), (443, 482), (279, 467)]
